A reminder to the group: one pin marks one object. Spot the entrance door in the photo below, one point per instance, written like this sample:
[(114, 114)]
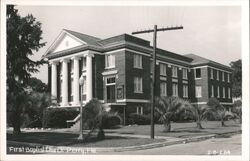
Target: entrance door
[(110, 89)]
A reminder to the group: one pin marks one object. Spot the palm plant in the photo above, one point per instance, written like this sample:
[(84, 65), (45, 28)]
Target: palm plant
[(200, 113), (95, 115), (168, 107), (218, 109)]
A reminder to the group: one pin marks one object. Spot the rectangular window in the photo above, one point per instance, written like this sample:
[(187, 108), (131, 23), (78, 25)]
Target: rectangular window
[(218, 92), (137, 61), (163, 69), (185, 91), (229, 93), (212, 91), (163, 89), (228, 77), (110, 61), (110, 80), (174, 71), (212, 73), (138, 85), (83, 64), (198, 73), (198, 91), (223, 76), (175, 89), (224, 93), (218, 75), (184, 73), (139, 110)]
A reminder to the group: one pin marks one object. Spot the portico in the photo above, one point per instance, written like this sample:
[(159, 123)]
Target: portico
[(75, 88)]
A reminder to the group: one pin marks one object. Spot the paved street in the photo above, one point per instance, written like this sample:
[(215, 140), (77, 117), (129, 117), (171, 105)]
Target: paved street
[(221, 146)]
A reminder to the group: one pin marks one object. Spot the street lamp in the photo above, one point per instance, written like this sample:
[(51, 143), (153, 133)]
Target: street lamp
[(81, 81)]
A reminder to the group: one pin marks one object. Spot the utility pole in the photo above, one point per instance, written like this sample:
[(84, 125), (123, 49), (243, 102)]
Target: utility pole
[(155, 30)]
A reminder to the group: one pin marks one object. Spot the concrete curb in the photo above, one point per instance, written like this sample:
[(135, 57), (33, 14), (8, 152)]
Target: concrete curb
[(91, 150)]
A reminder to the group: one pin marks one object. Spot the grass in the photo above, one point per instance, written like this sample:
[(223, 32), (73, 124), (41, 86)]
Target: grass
[(68, 139), (65, 137), (181, 130)]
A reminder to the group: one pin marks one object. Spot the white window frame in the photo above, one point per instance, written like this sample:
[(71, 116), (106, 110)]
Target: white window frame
[(185, 73), (223, 76), (137, 61), (218, 92), (163, 89), (211, 73), (224, 92), (138, 87), (175, 89), (174, 71), (198, 91), (185, 91), (163, 69), (139, 110), (195, 73), (218, 75), (212, 90), (110, 61), (229, 92)]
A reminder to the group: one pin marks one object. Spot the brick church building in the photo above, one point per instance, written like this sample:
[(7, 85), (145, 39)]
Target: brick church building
[(117, 71)]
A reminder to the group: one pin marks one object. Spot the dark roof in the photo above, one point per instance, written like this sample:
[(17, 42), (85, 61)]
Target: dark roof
[(124, 37), (90, 40), (198, 60)]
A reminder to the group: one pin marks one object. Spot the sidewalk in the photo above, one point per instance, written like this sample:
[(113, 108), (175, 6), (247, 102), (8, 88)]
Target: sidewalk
[(49, 149)]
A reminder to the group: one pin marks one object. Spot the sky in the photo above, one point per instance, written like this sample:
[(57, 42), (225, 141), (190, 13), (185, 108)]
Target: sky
[(213, 32)]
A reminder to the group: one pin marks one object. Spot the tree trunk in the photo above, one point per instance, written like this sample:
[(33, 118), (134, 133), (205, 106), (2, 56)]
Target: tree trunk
[(100, 134), (167, 126), (16, 123), (222, 122), (199, 125)]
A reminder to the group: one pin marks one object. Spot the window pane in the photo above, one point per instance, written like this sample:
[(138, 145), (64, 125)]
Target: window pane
[(198, 73)]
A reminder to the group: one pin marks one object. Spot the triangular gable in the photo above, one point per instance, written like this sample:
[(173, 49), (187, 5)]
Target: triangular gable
[(64, 41)]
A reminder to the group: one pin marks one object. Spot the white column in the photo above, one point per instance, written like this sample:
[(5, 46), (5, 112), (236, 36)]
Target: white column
[(76, 81), (89, 84), (65, 82), (54, 79)]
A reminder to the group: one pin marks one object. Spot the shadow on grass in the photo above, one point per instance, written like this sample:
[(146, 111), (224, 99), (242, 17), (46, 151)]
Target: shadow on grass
[(56, 139)]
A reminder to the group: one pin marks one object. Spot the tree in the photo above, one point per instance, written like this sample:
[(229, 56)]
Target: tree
[(237, 110), (23, 39), (94, 116), (200, 113), (236, 78), (218, 109), (168, 107), (37, 85)]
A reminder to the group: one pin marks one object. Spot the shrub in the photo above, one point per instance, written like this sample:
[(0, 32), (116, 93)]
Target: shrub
[(138, 119), (111, 121), (57, 117)]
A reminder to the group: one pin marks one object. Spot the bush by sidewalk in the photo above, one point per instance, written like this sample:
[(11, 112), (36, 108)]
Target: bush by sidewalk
[(57, 117)]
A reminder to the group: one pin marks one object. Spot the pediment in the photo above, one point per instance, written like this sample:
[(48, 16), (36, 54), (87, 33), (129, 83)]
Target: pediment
[(67, 42)]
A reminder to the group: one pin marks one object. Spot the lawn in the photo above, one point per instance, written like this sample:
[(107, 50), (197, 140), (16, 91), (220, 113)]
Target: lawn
[(69, 139), (180, 130)]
